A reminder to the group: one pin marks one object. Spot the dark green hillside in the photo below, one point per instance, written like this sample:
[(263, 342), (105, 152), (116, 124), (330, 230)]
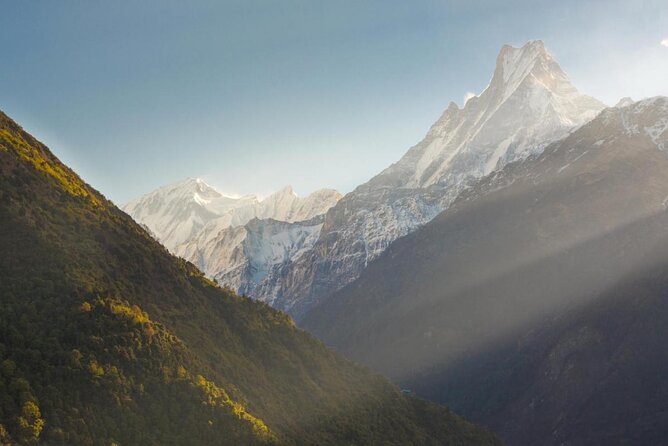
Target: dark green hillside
[(105, 338)]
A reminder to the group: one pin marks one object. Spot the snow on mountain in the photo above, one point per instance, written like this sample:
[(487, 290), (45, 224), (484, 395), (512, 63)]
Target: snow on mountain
[(548, 275), (623, 102), (285, 205), (175, 213), (241, 257), (649, 117), (528, 104), (193, 210), (236, 241)]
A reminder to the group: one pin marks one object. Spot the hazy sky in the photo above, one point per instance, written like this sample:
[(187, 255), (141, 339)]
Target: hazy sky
[(253, 95)]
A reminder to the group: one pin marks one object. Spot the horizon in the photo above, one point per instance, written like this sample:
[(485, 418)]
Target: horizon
[(130, 123)]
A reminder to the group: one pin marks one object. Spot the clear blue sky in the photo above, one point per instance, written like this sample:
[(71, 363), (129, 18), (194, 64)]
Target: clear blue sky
[(253, 95)]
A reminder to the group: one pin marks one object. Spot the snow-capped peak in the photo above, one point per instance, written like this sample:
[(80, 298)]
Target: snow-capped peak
[(285, 191), (515, 64), (528, 103), (286, 205), (176, 213), (189, 185), (623, 102)]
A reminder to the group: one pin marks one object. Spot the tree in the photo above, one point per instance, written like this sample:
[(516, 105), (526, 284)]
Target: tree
[(30, 422)]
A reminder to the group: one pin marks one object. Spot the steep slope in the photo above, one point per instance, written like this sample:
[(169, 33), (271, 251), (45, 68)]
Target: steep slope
[(193, 210), (108, 339), (241, 257), (528, 104), (534, 304)]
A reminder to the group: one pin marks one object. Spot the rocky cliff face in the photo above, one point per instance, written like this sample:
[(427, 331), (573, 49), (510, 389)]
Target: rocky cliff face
[(242, 257), (528, 104)]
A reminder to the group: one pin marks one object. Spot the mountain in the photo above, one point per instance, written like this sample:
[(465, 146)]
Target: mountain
[(242, 257), (536, 303), (528, 104), (106, 338), (236, 241), (285, 205), (177, 213), (623, 102)]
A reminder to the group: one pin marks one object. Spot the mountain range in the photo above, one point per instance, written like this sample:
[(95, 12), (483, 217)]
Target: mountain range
[(528, 104), (510, 265), (107, 338), (193, 210), (236, 241)]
